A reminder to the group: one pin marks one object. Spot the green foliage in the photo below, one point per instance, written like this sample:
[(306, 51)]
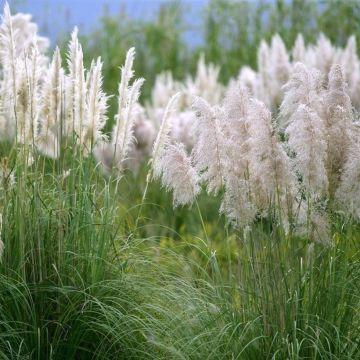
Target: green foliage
[(75, 280), (79, 281), (340, 19), (159, 45), (231, 32)]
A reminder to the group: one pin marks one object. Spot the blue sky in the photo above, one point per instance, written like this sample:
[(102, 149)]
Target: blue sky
[(55, 17)]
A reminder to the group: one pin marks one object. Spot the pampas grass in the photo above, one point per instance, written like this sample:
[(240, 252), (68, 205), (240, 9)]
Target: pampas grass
[(103, 267)]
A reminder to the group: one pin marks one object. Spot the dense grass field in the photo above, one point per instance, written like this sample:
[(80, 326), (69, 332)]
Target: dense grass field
[(96, 262), (78, 280)]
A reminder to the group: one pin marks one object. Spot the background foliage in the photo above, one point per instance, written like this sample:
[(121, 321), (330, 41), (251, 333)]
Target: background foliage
[(231, 32)]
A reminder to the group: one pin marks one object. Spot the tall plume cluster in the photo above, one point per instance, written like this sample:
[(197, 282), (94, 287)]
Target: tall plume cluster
[(43, 105), (204, 84), (236, 152), (294, 167), (276, 66)]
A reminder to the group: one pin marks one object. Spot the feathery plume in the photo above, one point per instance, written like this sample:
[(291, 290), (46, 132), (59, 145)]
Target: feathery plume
[(336, 94), (299, 50), (164, 87), (123, 131), (324, 54), (339, 125), (181, 124), (236, 204), (206, 82), (47, 141), (96, 104), (269, 168), (34, 89), (351, 68), (25, 31), (144, 133), (348, 192), (76, 94), (162, 138), (248, 79), (177, 174), (208, 151), (303, 88), (280, 60), (27, 102), (264, 92), (307, 139), (127, 74), (236, 130), (9, 62)]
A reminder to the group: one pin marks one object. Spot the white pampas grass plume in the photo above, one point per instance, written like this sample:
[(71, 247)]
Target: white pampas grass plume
[(126, 75), (265, 73), (336, 94), (164, 87), (47, 141), (303, 87), (351, 68), (269, 168), (299, 50), (115, 153), (51, 94), (181, 123), (235, 126), (76, 94), (307, 136), (340, 135), (96, 104), (324, 54), (205, 84), (209, 149), (236, 102), (280, 60), (9, 62), (25, 31), (236, 204), (177, 174), (23, 116), (339, 126), (162, 138), (123, 131), (348, 192), (8, 44), (144, 133), (248, 79), (27, 103), (273, 71), (34, 88)]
